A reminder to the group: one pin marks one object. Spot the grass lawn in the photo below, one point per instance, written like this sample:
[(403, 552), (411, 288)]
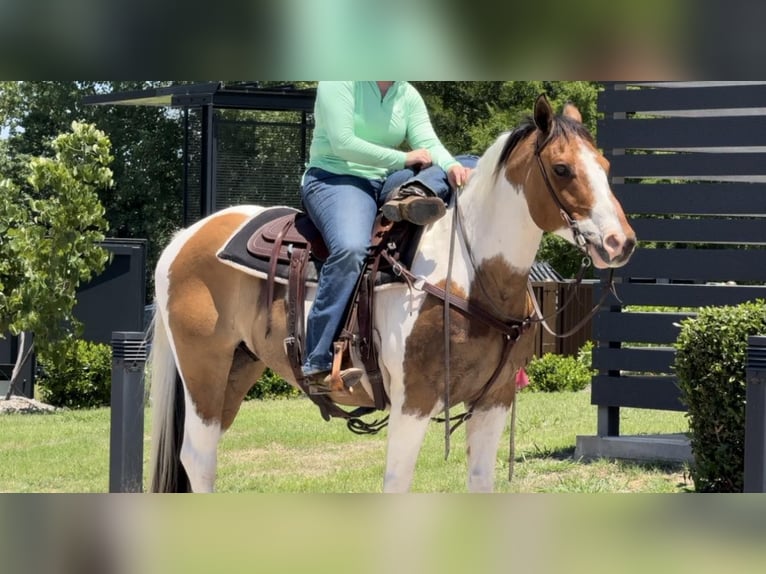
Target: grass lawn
[(284, 446)]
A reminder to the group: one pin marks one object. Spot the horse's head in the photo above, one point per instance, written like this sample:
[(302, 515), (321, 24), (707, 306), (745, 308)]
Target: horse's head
[(566, 184)]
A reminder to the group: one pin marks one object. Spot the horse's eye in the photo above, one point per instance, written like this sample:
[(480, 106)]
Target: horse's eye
[(562, 170)]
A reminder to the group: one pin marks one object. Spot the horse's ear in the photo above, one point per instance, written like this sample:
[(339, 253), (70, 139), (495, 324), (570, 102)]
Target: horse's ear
[(543, 114), (571, 111)]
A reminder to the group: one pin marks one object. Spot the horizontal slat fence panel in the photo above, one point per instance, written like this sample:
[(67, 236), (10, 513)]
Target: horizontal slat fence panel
[(637, 359), (667, 295), (697, 265), (682, 98), (659, 328), (688, 164), (670, 133), (727, 198), (701, 230), (640, 392)]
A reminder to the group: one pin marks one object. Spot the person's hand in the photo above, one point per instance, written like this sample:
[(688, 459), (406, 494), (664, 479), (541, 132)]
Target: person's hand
[(418, 159), (458, 175)]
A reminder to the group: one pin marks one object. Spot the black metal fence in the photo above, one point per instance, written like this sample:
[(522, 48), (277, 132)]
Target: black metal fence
[(258, 157), (688, 163)]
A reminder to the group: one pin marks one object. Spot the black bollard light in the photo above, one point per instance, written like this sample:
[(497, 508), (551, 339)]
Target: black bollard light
[(126, 444), (755, 415)]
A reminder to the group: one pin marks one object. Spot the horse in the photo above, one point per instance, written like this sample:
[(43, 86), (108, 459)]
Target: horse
[(210, 340)]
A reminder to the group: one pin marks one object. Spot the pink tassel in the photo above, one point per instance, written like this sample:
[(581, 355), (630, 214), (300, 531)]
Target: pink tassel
[(521, 379)]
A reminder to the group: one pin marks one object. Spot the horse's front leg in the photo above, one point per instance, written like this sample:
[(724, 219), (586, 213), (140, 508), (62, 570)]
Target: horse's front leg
[(405, 437), (483, 431)]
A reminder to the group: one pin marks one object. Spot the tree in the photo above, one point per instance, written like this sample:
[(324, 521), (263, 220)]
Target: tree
[(146, 200), (50, 230)]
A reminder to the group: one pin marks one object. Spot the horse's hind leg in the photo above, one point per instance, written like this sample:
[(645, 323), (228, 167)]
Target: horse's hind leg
[(246, 369), (210, 410), (200, 449), (483, 432), (204, 371)]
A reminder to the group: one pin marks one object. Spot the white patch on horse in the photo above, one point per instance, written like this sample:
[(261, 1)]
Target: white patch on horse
[(483, 431), (405, 437), (490, 207), (603, 215), (199, 450)]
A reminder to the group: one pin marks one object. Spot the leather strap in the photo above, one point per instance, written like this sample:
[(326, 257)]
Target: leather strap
[(273, 260), (513, 328)]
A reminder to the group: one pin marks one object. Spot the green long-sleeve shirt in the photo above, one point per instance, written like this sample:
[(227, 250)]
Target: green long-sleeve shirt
[(356, 131)]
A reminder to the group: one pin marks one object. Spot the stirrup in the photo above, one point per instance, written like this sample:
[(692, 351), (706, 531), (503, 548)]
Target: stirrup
[(324, 383)]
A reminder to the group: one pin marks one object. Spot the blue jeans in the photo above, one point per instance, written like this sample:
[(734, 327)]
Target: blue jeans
[(343, 208)]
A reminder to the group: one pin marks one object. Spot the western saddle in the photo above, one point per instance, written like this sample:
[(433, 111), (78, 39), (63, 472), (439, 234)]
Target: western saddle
[(286, 244)]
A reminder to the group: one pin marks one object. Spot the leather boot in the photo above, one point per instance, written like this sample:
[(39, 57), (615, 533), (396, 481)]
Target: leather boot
[(321, 384), (414, 203)]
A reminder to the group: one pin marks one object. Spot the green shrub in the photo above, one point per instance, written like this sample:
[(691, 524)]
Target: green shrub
[(83, 379), (710, 366), (272, 386), (554, 373)]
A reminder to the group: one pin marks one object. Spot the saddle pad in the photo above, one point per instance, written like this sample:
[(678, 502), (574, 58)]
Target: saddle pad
[(235, 252)]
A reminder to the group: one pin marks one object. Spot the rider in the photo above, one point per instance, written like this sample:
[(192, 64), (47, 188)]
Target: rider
[(359, 127)]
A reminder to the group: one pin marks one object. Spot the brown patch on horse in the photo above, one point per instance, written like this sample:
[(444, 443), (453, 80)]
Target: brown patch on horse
[(205, 345), (573, 190), (564, 135), (571, 111), (475, 348)]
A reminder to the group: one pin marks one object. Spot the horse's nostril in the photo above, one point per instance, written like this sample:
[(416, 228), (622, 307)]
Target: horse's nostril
[(614, 244)]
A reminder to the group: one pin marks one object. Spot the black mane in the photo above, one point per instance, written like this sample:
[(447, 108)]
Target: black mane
[(563, 126)]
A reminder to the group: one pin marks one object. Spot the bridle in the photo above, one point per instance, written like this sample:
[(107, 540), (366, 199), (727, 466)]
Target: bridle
[(580, 242), (578, 236)]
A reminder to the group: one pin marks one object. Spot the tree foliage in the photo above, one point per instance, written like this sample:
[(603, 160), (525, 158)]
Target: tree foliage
[(146, 200), (50, 229), (468, 116)]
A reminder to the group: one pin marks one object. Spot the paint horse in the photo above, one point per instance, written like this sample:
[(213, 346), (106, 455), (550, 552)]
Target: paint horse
[(210, 342)]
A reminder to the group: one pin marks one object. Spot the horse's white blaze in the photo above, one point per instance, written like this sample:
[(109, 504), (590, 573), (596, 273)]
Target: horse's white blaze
[(484, 430), (603, 219)]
